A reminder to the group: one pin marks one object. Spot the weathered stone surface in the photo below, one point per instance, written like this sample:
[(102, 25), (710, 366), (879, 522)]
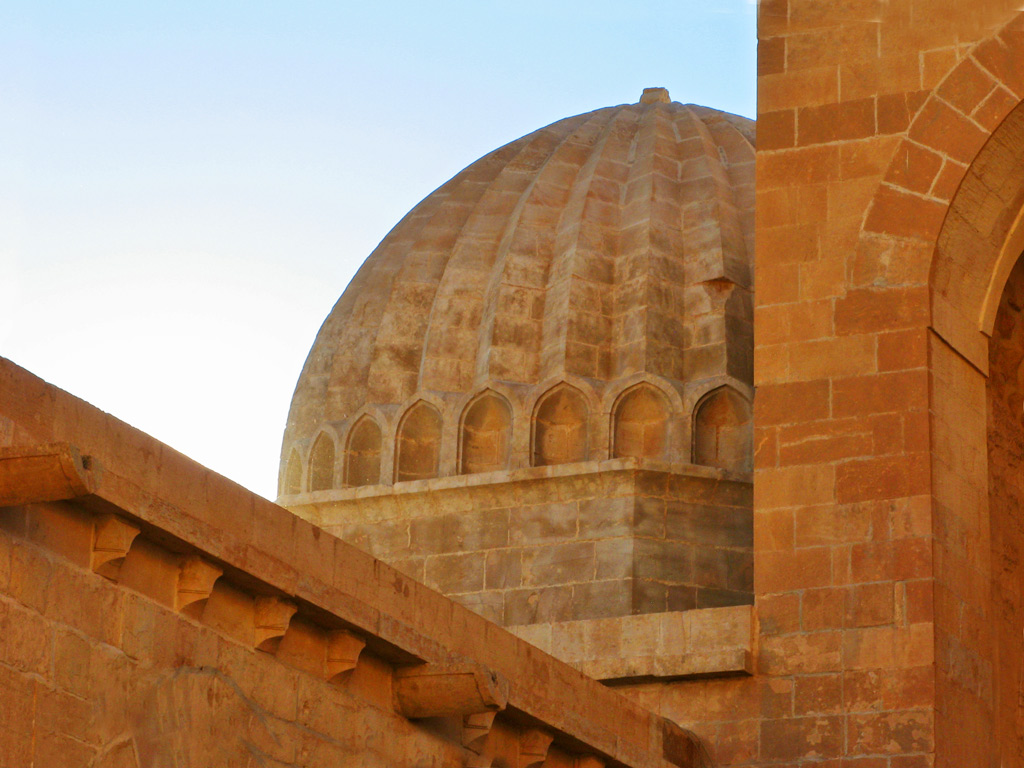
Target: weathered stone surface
[(293, 666), (569, 297)]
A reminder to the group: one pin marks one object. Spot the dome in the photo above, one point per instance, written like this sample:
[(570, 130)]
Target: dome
[(603, 250)]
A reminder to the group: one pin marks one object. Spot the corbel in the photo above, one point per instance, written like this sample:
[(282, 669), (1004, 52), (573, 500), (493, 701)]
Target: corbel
[(195, 584), (273, 614), (533, 747), (343, 649), (40, 473), (112, 538), (476, 729), (442, 690)]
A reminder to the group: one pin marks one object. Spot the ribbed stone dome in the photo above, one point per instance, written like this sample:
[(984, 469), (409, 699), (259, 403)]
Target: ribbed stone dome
[(605, 247)]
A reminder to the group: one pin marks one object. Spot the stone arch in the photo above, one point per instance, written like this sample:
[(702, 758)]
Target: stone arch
[(914, 255), (292, 474), (418, 445), (939, 241), (321, 463), (486, 434), (560, 427), (363, 453), (723, 431), (1005, 453), (640, 423)]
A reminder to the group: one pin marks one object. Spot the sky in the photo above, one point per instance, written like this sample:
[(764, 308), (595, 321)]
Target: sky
[(191, 185)]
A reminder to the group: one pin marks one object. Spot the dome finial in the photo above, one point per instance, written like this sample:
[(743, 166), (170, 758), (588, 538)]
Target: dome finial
[(655, 96)]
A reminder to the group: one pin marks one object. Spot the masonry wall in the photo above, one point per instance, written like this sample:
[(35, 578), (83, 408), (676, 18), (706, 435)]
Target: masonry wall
[(94, 674), (153, 613), (552, 544), (870, 549)]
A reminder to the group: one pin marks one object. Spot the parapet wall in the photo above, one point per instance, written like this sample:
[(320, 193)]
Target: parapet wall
[(153, 613)]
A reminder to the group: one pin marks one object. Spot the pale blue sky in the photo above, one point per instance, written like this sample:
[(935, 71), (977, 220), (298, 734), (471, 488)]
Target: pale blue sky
[(190, 185)]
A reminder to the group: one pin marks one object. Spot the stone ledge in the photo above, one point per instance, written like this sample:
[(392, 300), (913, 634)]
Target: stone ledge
[(514, 475), (726, 663), (711, 642)]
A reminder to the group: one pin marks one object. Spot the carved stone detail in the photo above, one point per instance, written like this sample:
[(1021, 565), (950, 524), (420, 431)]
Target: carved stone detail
[(533, 747), (343, 649), (195, 583), (273, 614), (112, 539), (431, 690), (475, 730)]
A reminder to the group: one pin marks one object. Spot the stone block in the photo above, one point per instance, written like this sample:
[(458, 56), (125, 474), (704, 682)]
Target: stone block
[(456, 573), (490, 605), (90, 605), (31, 577), (151, 570), (649, 517), (5, 563), (680, 597), (58, 749), (544, 524), (503, 569), (598, 599), (29, 641), (62, 713), (614, 558), (667, 561), (569, 640), (650, 596), (720, 598), (72, 655), (533, 606), (559, 564), (605, 518), (709, 526)]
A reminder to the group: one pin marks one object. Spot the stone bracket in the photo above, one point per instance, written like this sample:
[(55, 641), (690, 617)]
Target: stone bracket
[(533, 747), (195, 584), (53, 472), (439, 690), (343, 649), (475, 730), (112, 538), (273, 615)]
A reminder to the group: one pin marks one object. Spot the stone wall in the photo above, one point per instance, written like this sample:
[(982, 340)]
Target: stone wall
[(154, 614), (551, 544), (871, 544)]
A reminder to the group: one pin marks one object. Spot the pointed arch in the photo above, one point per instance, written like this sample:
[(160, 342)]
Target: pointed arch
[(486, 434), (293, 474), (723, 431), (560, 427), (418, 446), (640, 423), (321, 463), (362, 453)]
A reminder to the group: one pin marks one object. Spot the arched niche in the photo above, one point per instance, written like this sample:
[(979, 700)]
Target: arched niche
[(560, 434), (486, 434), (1005, 446), (640, 423), (321, 463), (723, 431), (418, 449), (293, 474), (362, 454)]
